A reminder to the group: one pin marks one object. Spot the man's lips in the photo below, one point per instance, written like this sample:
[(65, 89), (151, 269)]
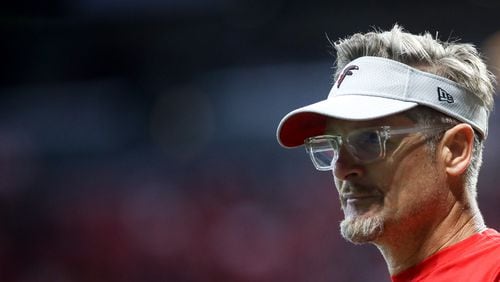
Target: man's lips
[(353, 197)]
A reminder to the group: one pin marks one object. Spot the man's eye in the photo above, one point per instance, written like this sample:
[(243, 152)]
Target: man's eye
[(365, 145), (365, 138)]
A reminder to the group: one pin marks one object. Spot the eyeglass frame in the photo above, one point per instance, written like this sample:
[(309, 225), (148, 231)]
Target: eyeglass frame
[(384, 133)]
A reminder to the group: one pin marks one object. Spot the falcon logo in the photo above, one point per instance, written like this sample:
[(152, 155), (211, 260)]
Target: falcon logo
[(347, 71)]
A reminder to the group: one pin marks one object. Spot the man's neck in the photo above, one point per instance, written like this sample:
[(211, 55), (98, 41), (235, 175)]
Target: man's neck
[(402, 252)]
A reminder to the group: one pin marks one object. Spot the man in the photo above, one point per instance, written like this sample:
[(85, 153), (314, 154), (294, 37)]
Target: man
[(402, 130)]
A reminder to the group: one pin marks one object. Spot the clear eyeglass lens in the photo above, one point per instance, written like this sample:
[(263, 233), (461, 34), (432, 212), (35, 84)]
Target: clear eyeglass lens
[(365, 145), (323, 152)]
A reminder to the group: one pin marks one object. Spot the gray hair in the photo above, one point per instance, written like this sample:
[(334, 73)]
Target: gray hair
[(459, 62)]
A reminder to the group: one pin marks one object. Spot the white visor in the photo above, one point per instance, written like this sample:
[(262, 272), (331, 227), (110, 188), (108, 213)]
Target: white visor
[(374, 87)]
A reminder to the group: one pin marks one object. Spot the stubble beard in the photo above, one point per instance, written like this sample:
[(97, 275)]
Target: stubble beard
[(360, 229)]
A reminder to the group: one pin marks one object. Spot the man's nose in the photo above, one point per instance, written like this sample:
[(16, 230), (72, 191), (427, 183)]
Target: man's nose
[(347, 167)]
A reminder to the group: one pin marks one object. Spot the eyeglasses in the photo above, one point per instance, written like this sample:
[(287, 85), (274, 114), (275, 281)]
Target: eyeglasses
[(366, 145)]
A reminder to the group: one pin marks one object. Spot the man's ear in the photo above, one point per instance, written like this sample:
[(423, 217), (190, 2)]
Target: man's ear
[(457, 146)]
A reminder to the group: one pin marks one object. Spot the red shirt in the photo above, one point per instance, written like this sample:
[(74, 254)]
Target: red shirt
[(476, 258)]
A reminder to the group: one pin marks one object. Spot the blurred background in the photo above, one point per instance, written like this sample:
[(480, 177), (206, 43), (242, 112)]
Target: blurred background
[(137, 137)]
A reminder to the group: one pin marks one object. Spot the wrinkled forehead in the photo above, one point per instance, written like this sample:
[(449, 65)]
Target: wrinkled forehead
[(341, 126)]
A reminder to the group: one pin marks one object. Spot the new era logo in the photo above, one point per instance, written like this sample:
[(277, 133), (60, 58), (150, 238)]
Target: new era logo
[(444, 96)]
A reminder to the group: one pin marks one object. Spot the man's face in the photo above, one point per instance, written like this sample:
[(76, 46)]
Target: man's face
[(389, 197)]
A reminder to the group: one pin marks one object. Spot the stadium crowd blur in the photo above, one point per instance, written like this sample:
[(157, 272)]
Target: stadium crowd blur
[(137, 138)]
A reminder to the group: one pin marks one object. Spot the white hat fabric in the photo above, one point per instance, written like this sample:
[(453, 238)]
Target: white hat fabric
[(375, 87)]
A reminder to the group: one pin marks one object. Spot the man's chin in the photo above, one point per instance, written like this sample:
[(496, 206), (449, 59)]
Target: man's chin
[(362, 229)]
